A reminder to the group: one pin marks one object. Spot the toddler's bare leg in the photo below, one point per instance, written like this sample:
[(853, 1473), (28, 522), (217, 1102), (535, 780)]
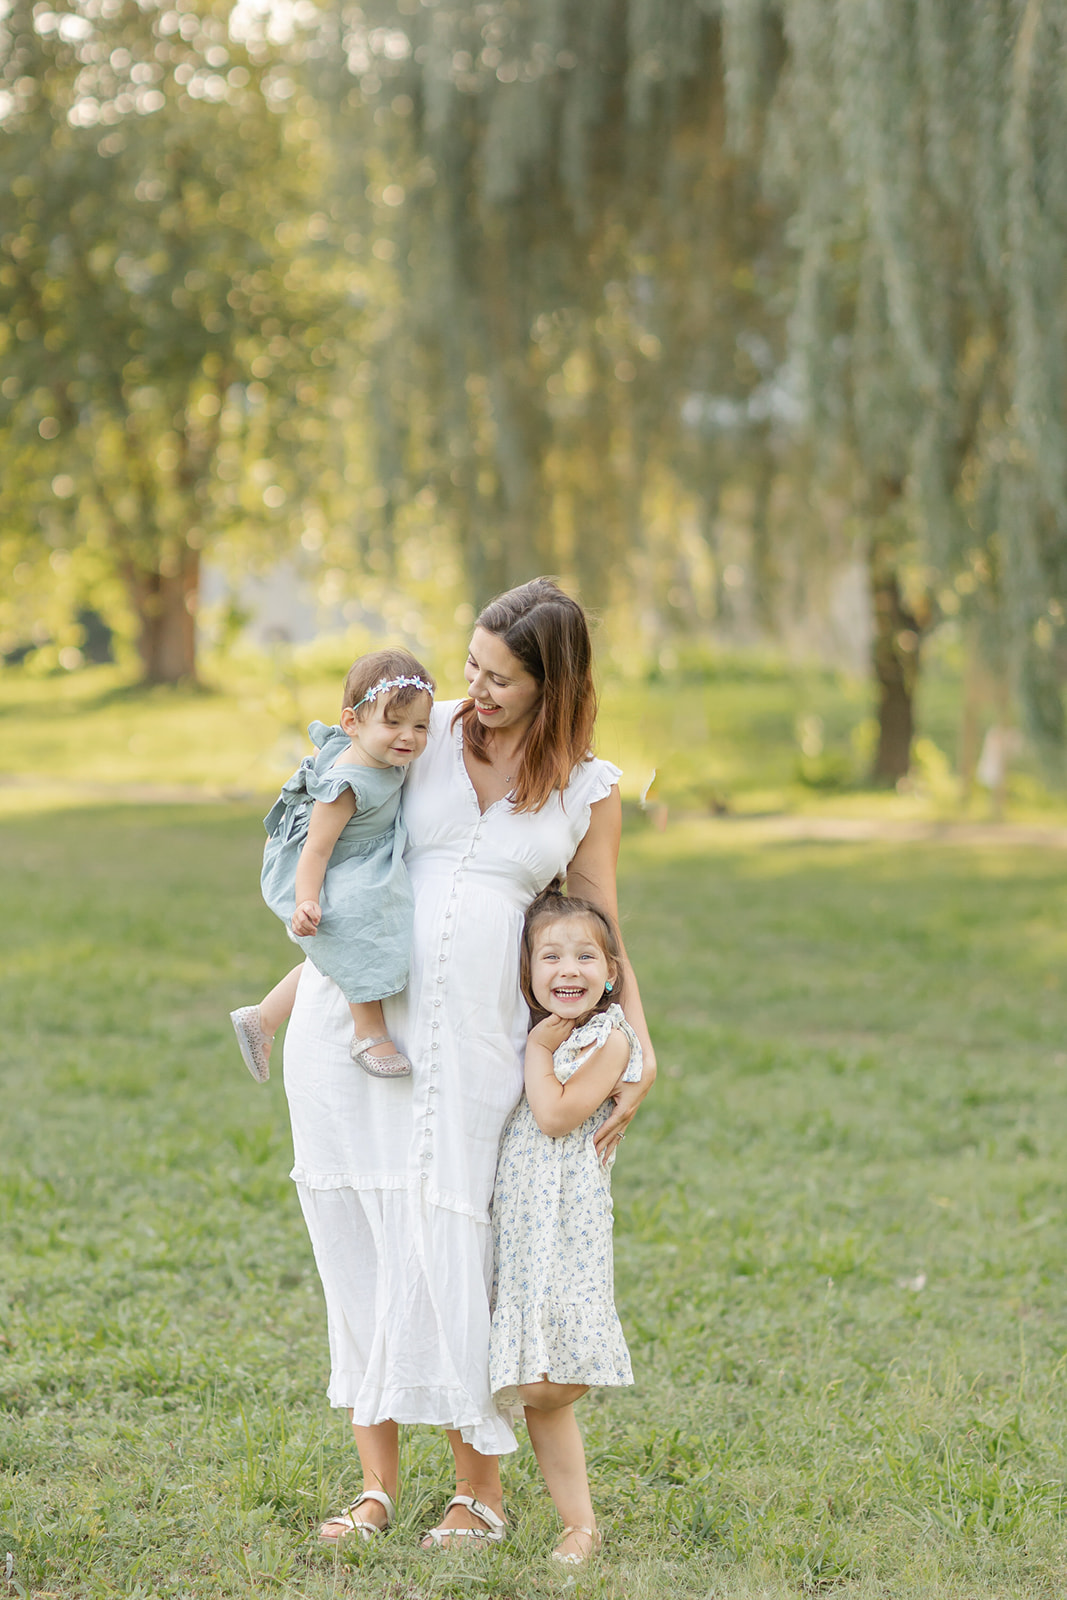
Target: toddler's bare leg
[(369, 1021), (275, 1008), (557, 1444)]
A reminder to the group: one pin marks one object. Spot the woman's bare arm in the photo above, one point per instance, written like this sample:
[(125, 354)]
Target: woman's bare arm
[(591, 876)]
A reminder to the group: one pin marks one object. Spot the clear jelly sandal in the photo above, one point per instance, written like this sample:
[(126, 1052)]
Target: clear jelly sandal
[(394, 1066), (574, 1558), (252, 1042)]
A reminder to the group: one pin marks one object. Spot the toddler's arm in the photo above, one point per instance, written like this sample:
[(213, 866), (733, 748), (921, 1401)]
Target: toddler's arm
[(328, 817), (559, 1108)]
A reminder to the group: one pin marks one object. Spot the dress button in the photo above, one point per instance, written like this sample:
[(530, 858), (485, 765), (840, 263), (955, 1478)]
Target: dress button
[(437, 1002)]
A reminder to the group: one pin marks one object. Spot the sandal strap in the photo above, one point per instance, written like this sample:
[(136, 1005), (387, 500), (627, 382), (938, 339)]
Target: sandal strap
[(382, 1498), (576, 1527), (365, 1044), (477, 1508), (347, 1519), (492, 1533)]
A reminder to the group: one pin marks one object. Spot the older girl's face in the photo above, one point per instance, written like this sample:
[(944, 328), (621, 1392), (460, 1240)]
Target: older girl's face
[(505, 695)]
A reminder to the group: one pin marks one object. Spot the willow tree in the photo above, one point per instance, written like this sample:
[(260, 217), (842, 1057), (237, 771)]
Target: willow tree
[(922, 148), (162, 315), (588, 285)]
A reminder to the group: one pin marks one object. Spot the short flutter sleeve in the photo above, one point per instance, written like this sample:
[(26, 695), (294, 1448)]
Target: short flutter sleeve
[(595, 779), (329, 785), (591, 1036)]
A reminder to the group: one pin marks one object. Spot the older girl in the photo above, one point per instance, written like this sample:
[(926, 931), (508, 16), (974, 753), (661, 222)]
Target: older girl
[(555, 1328)]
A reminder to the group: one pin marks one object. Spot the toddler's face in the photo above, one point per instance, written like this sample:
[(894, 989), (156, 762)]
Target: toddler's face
[(568, 968), (393, 736)]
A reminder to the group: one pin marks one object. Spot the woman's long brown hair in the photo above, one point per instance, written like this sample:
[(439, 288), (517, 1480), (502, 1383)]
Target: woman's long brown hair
[(547, 632)]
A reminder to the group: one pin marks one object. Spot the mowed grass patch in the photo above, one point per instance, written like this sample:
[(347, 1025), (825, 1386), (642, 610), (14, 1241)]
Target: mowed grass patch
[(840, 1235)]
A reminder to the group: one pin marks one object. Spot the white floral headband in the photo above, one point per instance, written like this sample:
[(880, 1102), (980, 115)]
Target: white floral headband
[(394, 683)]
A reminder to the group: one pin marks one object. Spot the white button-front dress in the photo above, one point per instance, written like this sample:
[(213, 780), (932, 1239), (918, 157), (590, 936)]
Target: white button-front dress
[(395, 1176)]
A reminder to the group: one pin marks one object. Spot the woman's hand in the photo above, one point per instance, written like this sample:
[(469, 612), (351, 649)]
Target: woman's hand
[(627, 1098), (306, 919), (591, 875)]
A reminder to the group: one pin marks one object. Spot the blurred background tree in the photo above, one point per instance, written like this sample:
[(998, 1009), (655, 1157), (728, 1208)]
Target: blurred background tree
[(593, 289), (919, 146), (165, 318), (689, 304)]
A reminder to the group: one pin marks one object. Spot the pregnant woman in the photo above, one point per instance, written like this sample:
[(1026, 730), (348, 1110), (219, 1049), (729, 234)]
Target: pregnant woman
[(395, 1177)]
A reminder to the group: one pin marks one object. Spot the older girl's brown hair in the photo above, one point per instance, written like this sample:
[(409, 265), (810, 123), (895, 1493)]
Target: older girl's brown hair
[(547, 632), (552, 905), (379, 667)]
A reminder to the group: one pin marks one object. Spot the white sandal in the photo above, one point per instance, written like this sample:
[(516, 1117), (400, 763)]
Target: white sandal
[(492, 1533), (353, 1524), (573, 1559)]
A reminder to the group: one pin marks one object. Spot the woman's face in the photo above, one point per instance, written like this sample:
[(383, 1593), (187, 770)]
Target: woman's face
[(505, 695)]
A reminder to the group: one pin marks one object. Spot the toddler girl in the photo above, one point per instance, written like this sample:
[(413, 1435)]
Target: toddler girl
[(333, 865), (555, 1330)]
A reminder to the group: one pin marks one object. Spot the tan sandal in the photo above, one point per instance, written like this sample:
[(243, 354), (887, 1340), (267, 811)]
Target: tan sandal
[(492, 1533), (350, 1523), (573, 1559)]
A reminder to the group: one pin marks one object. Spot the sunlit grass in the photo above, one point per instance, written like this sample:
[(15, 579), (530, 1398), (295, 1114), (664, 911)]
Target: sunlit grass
[(841, 1223), (728, 733)]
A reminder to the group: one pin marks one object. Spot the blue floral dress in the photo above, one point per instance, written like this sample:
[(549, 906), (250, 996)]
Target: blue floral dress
[(553, 1294), (364, 939)]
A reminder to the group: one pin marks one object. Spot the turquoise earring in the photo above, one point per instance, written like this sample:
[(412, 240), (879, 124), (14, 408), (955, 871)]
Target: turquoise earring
[(609, 986)]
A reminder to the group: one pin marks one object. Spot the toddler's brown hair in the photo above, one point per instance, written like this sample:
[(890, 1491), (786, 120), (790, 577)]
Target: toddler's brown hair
[(379, 667)]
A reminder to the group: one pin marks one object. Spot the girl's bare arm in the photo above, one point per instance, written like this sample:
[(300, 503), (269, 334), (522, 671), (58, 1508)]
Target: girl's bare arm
[(561, 1107), (328, 817)]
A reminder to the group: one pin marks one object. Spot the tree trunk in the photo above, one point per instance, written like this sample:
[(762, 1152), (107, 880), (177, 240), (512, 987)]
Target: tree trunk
[(895, 658), (165, 603), (763, 567)]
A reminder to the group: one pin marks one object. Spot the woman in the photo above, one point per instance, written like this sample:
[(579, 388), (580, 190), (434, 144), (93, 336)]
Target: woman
[(395, 1177)]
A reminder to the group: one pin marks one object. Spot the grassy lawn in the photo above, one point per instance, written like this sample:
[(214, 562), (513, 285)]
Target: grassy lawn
[(841, 1226), (749, 733)]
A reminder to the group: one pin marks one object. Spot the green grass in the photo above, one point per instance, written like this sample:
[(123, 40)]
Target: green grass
[(723, 730), (841, 1226)]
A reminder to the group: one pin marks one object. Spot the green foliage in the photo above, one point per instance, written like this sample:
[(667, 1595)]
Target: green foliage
[(839, 1227), (591, 349), (920, 147), (164, 313), (444, 295)]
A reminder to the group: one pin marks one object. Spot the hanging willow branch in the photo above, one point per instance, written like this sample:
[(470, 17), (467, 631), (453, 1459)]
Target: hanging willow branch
[(923, 147)]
